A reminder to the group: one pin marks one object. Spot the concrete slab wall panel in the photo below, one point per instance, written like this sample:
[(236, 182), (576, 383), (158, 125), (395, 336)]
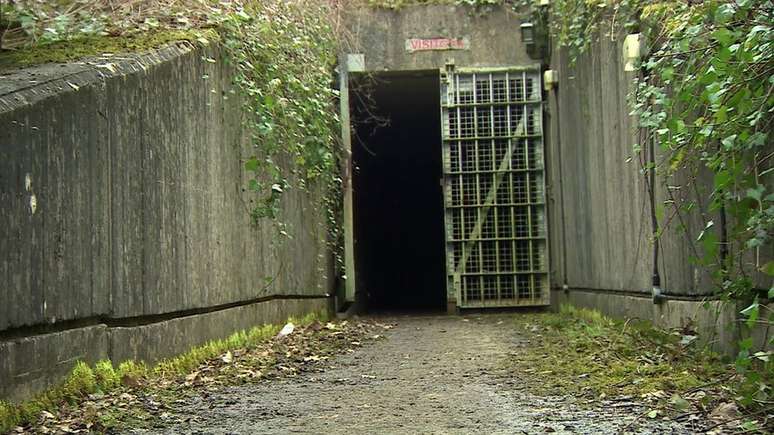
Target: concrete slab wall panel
[(122, 182)]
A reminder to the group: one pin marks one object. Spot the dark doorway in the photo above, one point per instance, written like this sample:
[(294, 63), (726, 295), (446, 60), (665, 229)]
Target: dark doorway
[(398, 207)]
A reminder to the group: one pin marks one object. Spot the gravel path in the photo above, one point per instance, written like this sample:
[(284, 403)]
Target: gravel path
[(432, 375)]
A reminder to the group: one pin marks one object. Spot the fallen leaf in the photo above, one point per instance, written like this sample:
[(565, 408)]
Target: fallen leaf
[(108, 66), (679, 403), (228, 358), (130, 380), (286, 330), (126, 397), (725, 411)]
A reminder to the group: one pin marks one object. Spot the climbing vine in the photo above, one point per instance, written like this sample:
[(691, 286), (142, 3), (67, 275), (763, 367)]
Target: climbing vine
[(704, 97), (283, 54), (398, 4)]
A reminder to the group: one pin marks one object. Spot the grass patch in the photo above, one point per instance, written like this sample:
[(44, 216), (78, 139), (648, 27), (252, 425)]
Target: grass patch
[(67, 51), (400, 4), (103, 378), (581, 352)]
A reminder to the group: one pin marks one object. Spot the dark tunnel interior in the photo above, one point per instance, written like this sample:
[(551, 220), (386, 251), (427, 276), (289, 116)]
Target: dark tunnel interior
[(398, 208)]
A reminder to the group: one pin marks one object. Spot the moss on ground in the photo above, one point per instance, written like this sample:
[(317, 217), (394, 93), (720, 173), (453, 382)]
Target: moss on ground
[(157, 381), (75, 49), (399, 4), (584, 353)]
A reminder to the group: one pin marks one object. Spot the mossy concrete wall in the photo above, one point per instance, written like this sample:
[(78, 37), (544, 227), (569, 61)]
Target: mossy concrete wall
[(124, 209), (600, 212)]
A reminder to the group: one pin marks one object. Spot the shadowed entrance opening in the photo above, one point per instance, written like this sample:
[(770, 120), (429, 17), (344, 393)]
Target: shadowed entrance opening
[(398, 207)]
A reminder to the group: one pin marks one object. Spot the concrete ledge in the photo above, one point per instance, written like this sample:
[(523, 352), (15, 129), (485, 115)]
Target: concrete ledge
[(32, 364), (713, 320), (161, 340)]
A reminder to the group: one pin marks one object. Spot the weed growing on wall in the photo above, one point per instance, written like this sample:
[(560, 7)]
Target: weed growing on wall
[(398, 4), (35, 23), (704, 98), (283, 54)]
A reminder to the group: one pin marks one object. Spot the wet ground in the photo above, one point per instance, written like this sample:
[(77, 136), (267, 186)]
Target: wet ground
[(431, 375)]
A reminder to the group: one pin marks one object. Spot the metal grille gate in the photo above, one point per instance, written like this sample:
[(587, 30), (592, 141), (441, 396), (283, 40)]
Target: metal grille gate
[(494, 191)]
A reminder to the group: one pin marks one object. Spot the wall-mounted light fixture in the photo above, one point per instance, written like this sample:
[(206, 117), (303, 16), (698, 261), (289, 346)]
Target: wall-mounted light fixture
[(633, 50), (550, 79), (355, 62), (527, 34)]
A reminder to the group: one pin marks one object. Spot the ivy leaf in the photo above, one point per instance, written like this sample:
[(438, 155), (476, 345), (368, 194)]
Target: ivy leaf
[(252, 165), (679, 403), (722, 180), (768, 269), (243, 15), (723, 36), (756, 193), (724, 13), (758, 138), (728, 142), (751, 313)]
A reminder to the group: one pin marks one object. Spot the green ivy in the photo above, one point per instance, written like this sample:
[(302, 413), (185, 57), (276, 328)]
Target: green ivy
[(705, 97), (399, 4), (283, 54)]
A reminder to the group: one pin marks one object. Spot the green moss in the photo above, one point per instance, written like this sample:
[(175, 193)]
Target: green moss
[(580, 351), (78, 384), (84, 380), (81, 381), (106, 377), (67, 51), (399, 4)]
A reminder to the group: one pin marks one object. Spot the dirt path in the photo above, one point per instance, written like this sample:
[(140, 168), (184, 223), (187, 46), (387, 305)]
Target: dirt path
[(431, 375)]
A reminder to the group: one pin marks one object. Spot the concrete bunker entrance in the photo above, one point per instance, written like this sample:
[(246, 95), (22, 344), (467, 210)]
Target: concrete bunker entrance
[(398, 206)]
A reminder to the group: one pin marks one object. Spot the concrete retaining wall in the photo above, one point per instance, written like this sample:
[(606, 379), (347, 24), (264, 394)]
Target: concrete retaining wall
[(122, 192), (597, 184), (34, 363), (600, 221)]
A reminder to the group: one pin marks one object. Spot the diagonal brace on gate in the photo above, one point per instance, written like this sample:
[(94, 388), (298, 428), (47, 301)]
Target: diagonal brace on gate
[(485, 209)]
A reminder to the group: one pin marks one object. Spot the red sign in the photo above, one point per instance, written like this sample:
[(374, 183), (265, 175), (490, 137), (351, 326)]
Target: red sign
[(415, 44)]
